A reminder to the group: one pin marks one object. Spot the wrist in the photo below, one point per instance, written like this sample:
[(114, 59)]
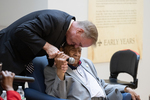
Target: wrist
[(9, 89), (46, 46), (60, 74), (126, 89)]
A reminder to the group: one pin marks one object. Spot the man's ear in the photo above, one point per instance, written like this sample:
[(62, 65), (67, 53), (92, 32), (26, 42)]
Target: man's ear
[(80, 31)]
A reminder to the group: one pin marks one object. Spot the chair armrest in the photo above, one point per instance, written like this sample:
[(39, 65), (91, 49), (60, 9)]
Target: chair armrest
[(32, 94)]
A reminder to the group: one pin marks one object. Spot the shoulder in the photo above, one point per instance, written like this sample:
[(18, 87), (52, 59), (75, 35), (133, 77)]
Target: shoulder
[(85, 60), (55, 13), (89, 63), (1, 98)]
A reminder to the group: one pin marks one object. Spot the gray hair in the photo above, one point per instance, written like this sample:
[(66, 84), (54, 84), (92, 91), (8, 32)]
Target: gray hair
[(90, 30)]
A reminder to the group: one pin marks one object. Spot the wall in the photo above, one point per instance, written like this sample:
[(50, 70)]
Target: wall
[(11, 10), (14, 9)]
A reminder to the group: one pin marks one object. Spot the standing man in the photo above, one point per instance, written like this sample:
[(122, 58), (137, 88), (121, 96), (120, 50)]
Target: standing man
[(41, 33)]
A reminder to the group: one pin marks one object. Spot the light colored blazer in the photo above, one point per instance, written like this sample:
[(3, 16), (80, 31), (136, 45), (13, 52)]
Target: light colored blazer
[(73, 88)]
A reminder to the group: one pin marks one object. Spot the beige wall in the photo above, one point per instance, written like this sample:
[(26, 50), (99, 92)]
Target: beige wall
[(79, 8)]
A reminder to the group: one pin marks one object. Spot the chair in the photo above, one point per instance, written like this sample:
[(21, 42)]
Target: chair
[(36, 90), (124, 61)]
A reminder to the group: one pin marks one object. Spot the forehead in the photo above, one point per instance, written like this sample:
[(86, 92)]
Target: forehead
[(71, 47), (86, 42)]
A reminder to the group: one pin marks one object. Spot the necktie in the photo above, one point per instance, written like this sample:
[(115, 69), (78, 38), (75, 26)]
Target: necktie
[(30, 67)]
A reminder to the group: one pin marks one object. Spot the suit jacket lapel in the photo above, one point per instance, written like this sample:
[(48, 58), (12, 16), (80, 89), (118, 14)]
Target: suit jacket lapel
[(87, 68), (71, 73)]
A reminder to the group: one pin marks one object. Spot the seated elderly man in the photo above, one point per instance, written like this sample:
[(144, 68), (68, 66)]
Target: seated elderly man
[(79, 81)]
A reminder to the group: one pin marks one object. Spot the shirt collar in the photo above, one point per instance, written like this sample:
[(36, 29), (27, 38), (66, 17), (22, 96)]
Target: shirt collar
[(73, 67), (70, 23)]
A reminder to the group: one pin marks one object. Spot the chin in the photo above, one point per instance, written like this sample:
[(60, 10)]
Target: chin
[(76, 63)]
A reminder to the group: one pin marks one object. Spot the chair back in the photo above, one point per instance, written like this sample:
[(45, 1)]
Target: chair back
[(36, 90), (39, 63), (125, 61)]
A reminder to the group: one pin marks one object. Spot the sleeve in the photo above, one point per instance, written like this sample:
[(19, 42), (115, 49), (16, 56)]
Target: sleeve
[(54, 86), (109, 87), (1, 98), (33, 31), (13, 95)]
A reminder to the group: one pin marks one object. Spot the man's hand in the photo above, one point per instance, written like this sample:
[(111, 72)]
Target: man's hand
[(51, 50), (133, 94), (7, 80)]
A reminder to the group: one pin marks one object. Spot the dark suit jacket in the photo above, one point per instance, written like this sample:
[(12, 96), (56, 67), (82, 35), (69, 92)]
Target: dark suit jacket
[(24, 39)]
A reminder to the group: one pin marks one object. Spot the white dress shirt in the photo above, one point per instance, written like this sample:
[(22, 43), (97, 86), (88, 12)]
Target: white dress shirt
[(90, 82)]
